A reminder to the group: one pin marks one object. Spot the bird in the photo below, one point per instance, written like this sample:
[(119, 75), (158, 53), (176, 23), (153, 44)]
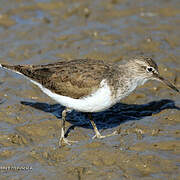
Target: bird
[(90, 85)]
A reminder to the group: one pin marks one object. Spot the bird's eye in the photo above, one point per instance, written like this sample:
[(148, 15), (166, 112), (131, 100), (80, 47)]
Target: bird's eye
[(149, 69)]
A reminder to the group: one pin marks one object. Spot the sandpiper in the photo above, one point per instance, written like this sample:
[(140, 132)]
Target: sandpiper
[(89, 85)]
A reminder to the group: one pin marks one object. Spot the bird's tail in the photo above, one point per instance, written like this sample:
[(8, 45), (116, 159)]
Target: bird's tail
[(15, 68), (6, 66)]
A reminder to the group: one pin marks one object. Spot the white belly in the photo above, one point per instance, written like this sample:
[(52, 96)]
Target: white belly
[(98, 101)]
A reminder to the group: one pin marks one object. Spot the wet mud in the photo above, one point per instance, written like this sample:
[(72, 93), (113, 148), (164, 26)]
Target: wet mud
[(148, 121)]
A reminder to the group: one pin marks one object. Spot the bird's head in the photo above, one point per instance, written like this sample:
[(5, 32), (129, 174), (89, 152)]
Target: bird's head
[(146, 69)]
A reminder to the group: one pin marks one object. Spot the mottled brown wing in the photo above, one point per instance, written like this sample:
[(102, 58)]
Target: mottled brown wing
[(75, 78)]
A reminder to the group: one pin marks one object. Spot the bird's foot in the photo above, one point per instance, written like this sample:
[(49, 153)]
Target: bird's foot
[(64, 140), (99, 136)]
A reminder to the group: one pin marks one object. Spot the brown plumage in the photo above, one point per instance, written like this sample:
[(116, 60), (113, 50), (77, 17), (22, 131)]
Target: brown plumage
[(75, 78), (80, 78)]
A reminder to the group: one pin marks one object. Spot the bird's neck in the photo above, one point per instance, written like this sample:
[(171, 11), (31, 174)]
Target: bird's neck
[(128, 87), (127, 82)]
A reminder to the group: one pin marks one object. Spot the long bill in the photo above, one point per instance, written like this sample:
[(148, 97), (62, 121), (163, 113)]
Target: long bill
[(165, 81)]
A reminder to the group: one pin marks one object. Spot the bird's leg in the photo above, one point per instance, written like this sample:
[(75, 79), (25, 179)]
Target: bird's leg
[(62, 138), (98, 135)]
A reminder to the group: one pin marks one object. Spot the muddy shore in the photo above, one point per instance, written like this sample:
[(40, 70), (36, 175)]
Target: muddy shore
[(148, 121)]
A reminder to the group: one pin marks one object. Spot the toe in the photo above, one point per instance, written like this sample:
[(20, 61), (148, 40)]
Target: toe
[(99, 136), (65, 141)]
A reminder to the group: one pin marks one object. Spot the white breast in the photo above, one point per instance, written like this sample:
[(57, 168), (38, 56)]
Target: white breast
[(98, 101)]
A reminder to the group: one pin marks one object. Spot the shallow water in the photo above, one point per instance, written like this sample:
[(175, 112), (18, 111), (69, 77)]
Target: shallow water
[(148, 121)]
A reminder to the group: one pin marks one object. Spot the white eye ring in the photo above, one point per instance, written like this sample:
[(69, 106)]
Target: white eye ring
[(150, 69)]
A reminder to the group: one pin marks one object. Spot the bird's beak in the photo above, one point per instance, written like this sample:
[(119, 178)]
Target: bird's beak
[(165, 81)]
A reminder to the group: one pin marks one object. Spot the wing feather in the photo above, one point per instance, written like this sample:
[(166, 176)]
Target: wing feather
[(75, 78)]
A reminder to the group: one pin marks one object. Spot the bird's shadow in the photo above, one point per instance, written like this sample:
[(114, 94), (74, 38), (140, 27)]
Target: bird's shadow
[(110, 118)]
